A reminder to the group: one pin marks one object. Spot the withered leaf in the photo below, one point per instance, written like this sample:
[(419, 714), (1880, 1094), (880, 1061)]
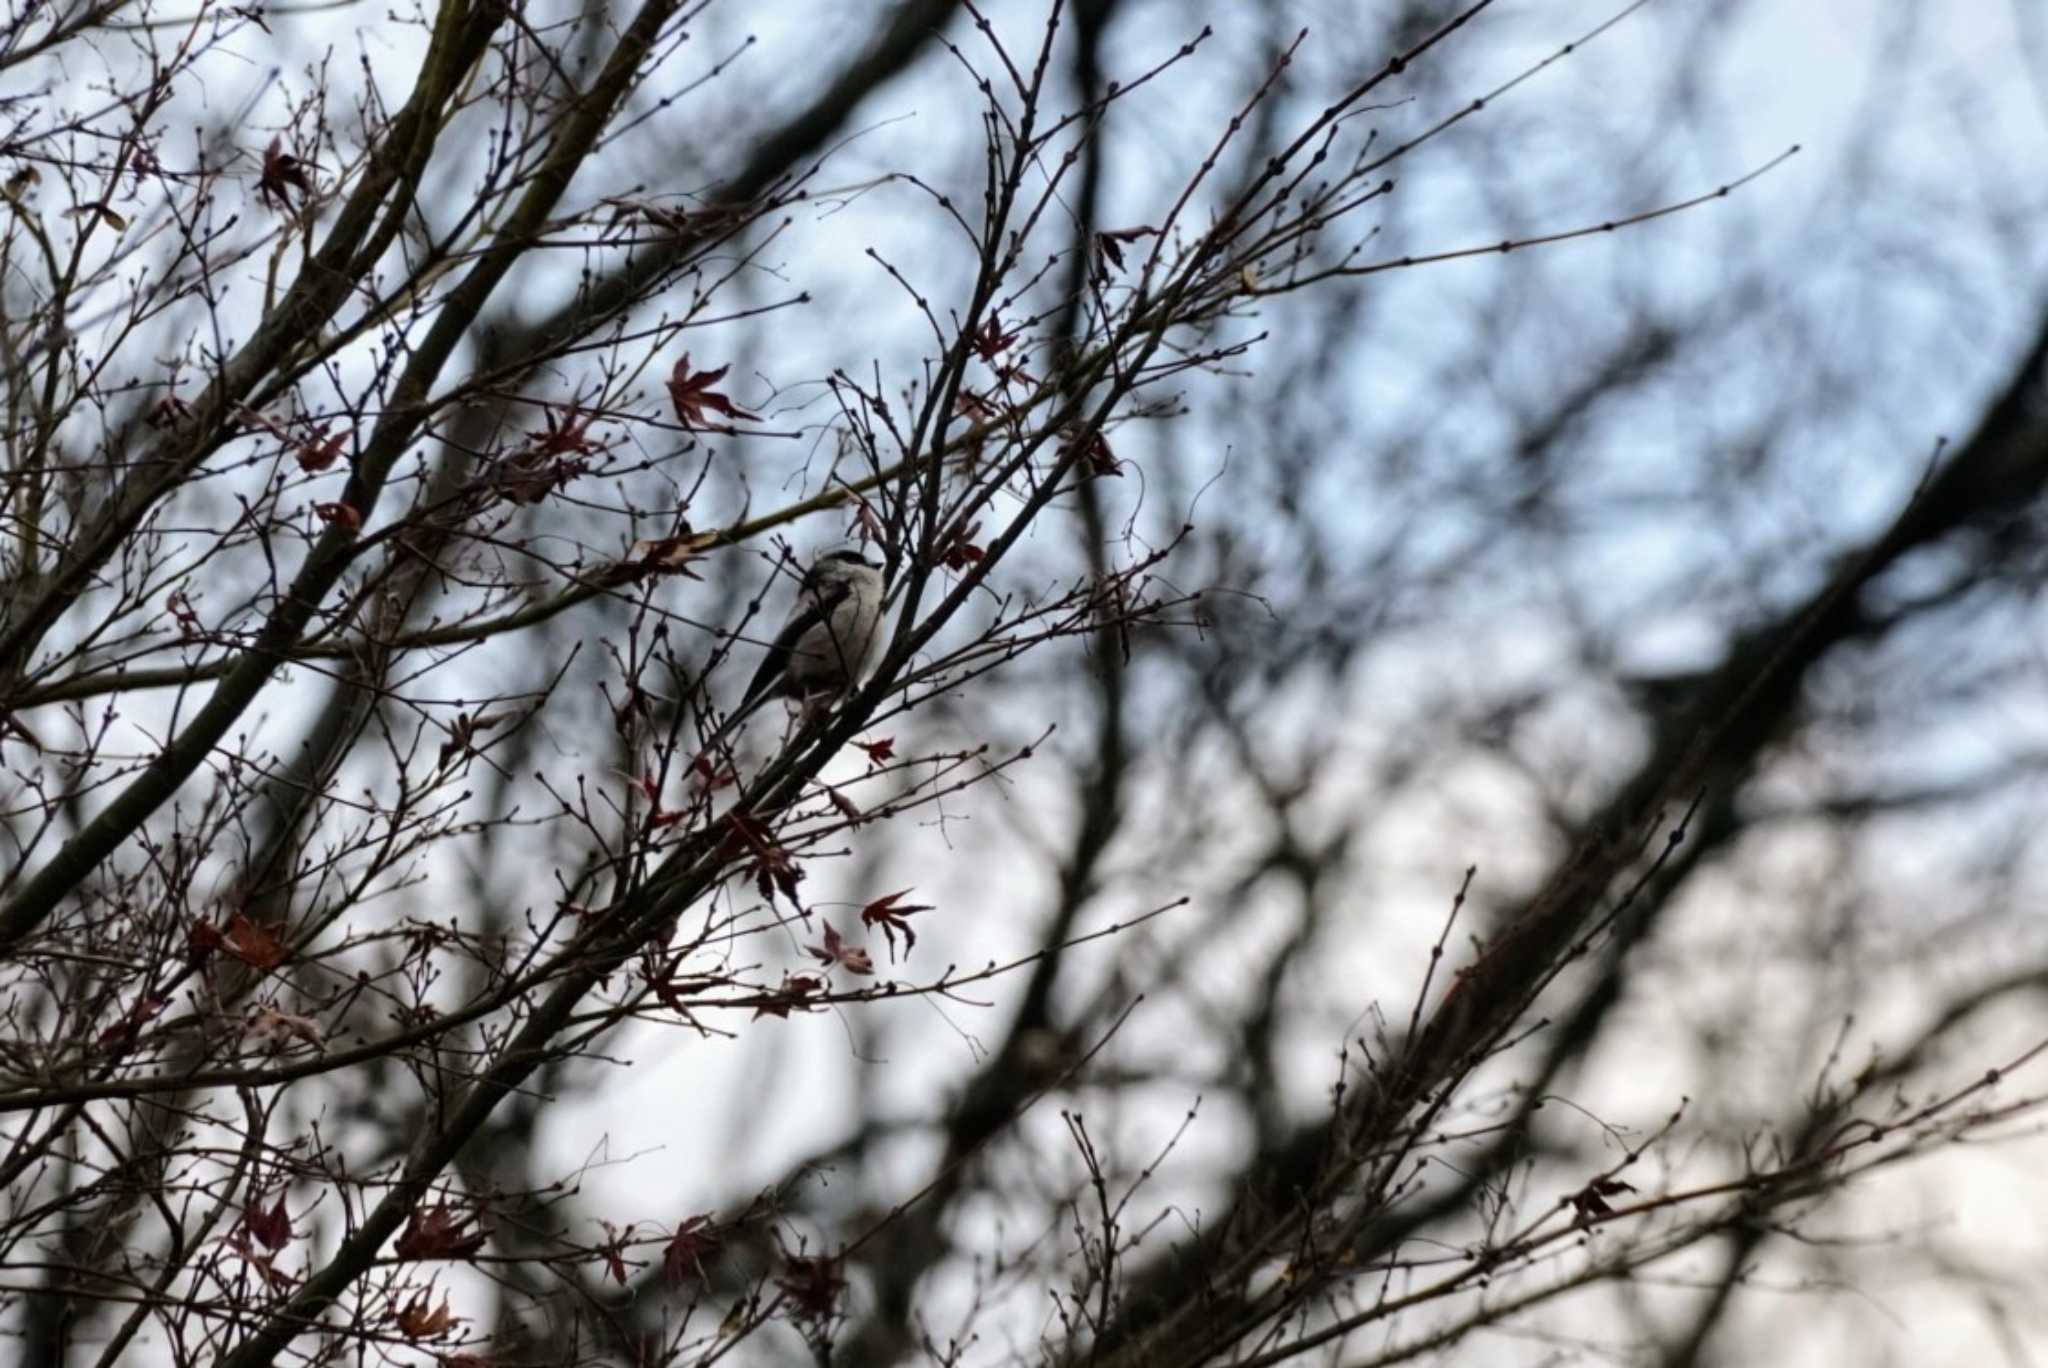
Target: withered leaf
[(345, 514), (530, 476), (794, 994), (253, 945), (1110, 244), (98, 211), (420, 1319), (320, 451), (664, 556), (847, 956), (1590, 1201), (271, 1025)]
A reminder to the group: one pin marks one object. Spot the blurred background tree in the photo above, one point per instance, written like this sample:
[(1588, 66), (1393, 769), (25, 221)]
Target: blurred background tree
[(1498, 793)]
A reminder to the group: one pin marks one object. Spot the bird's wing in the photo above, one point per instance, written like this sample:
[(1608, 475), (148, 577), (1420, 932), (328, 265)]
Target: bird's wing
[(815, 610)]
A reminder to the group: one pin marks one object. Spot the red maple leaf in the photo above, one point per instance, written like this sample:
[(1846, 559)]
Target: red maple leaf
[(813, 1285), (613, 1251), (282, 173), (960, 550), (692, 394), (270, 1228), (743, 834), (889, 913), (881, 751), (1095, 457), (990, 341), (130, 1025), (464, 731), (169, 412), (695, 1240), (712, 774), (772, 867), (201, 941), (776, 871), (438, 1232), (659, 818), (568, 436), (259, 1235)]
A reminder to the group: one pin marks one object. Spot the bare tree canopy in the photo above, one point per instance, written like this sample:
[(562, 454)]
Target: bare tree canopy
[(1083, 682)]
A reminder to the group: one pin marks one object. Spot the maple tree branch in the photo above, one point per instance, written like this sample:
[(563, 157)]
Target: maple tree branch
[(332, 553), (908, 30), (323, 284)]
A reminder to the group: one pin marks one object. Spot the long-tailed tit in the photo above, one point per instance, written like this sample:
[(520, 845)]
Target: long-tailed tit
[(829, 639)]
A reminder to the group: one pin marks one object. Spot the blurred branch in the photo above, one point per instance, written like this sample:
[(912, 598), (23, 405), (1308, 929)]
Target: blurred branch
[(1186, 1304)]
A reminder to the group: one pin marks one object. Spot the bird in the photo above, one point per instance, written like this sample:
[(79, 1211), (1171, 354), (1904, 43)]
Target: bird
[(829, 639)]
